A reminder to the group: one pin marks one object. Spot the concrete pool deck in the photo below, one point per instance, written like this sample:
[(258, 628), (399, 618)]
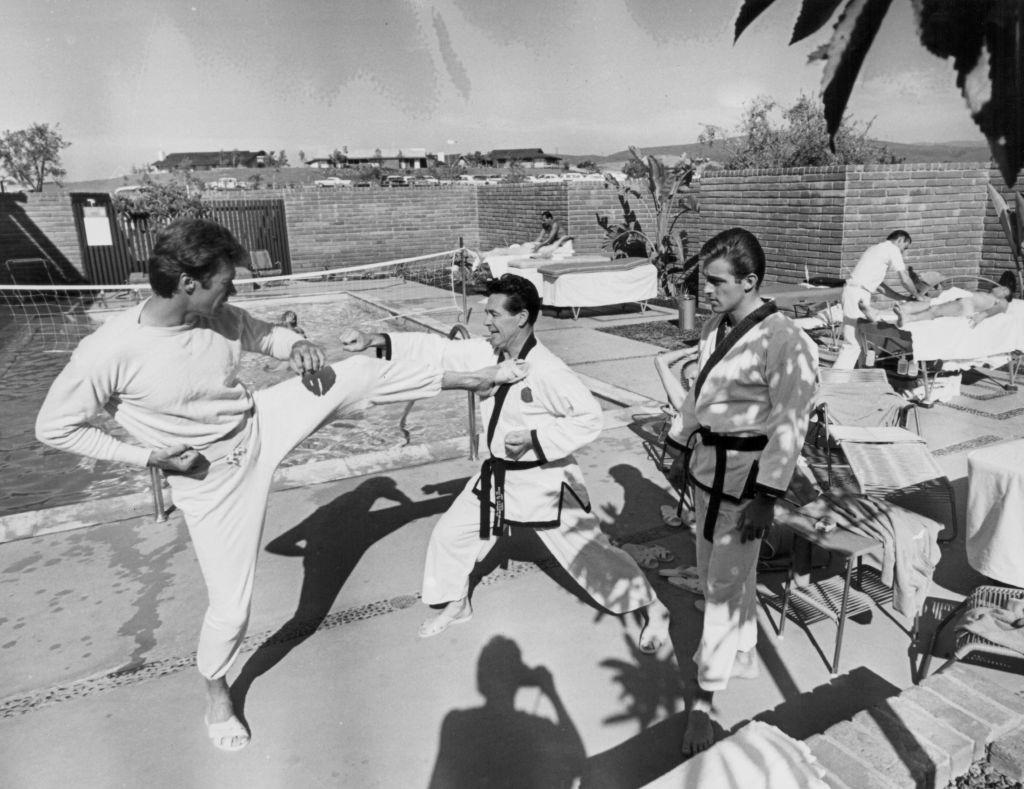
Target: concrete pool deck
[(98, 628)]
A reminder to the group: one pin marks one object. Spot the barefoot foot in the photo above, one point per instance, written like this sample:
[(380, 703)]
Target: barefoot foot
[(655, 630), (223, 727), (699, 734)]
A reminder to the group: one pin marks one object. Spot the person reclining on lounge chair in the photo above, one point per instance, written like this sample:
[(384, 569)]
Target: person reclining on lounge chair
[(976, 306)]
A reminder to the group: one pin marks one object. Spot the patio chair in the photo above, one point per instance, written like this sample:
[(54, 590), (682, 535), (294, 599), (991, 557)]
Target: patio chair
[(885, 458), (261, 264), (970, 647)]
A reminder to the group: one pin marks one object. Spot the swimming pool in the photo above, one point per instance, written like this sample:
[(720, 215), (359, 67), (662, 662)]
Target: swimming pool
[(34, 477)]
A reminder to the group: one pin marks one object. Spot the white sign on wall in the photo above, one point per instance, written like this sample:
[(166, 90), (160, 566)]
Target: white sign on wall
[(97, 226)]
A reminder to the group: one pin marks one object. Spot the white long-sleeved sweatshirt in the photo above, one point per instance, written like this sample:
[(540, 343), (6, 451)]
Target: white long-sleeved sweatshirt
[(164, 385)]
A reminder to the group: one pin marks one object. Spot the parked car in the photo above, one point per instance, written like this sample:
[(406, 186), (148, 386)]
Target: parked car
[(395, 180), (332, 182), (363, 184), (425, 180), (572, 176), (226, 183)]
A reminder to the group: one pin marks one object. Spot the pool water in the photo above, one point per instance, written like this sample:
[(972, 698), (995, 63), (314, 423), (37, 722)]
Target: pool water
[(33, 476)]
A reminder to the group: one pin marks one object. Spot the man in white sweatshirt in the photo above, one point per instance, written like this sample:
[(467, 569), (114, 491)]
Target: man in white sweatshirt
[(166, 371)]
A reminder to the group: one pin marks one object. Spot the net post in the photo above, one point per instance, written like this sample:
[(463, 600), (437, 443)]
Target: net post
[(462, 278), (156, 484)]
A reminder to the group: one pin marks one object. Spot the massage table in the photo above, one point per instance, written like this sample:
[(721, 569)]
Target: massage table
[(949, 344), (813, 307), (522, 260), (596, 281)]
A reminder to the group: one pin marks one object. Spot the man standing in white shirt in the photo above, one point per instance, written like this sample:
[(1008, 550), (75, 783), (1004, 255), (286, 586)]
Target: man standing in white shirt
[(865, 280)]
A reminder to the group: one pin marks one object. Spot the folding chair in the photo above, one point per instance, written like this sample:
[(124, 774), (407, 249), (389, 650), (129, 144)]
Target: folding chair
[(886, 460), (973, 648), (261, 264)]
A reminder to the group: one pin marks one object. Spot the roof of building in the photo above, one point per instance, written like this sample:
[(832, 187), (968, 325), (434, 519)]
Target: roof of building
[(520, 153), (208, 158)]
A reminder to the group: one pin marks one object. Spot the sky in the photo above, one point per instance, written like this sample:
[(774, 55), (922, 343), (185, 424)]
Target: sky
[(127, 80)]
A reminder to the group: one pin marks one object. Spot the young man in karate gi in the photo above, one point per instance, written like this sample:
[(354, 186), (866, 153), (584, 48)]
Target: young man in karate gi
[(867, 277), (166, 370), (529, 496), (744, 422)]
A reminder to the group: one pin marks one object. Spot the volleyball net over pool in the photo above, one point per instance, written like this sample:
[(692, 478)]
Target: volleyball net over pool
[(53, 317)]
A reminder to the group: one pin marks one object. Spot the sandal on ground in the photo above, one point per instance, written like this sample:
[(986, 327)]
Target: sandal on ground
[(438, 624), (688, 583), (641, 555), (224, 734), (661, 553), (676, 572), (669, 516)]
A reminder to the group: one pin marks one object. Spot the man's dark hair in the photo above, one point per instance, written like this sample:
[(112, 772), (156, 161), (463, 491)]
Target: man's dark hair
[(899, 235), (547, 215), (1008, 279), (740, 248), (197, 247), (520, 294)]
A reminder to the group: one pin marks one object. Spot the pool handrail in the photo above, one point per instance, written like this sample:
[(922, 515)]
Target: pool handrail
[(462, 332)]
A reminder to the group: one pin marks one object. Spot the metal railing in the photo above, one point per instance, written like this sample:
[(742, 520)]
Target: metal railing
[(459, 330)]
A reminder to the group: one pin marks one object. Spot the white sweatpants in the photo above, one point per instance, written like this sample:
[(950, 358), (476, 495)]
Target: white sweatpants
[(728, 572), (225, 511), (608, 574), (849, 349)]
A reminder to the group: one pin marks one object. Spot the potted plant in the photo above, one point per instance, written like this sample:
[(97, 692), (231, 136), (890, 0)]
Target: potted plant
[(669, 192)]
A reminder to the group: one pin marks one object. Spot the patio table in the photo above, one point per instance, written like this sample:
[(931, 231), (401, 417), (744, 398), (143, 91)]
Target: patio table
[(995, 511)]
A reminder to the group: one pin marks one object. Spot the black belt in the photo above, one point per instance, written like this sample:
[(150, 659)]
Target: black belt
[(723, 442), (496, 468)]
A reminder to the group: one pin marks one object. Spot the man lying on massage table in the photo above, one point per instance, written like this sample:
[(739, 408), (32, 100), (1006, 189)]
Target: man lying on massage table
[(976, 306)]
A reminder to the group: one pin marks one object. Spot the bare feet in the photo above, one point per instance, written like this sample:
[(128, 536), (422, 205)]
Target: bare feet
[(223, 727), (455, 613), (699, 734), (746, 666), (655, 630)]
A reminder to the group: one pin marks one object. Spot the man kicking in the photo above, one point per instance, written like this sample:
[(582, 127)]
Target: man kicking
[(166, 370), (529, 497), (744, 418)]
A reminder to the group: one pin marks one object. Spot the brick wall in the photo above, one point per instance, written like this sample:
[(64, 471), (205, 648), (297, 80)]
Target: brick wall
[(39, 226), (510, 213), (942, 206), (339, 227), (820, 218), (796, 213), (995, 250)]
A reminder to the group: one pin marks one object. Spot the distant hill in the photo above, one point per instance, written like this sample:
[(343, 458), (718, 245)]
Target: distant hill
[(909, 152)]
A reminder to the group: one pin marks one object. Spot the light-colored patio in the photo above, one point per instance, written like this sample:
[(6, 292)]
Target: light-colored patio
[(99, 624)]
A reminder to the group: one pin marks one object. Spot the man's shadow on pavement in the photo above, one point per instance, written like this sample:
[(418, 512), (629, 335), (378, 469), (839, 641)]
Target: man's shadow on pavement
[(331, 541), (497, 744)]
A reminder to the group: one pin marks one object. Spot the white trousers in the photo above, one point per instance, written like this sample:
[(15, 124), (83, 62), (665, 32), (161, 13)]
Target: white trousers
[(225, 510), (849, 349), (608, 574), (728, 572)]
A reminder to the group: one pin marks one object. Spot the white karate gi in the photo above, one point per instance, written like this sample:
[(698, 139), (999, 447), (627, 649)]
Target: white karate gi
[(763, 386), (179, 385), (563, 416)]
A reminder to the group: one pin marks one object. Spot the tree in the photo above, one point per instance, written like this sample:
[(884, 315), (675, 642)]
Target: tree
[(32, 155), (282, 158), (797, 136), (588, 165), (634, 168), (985, 38), (302, 157)]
